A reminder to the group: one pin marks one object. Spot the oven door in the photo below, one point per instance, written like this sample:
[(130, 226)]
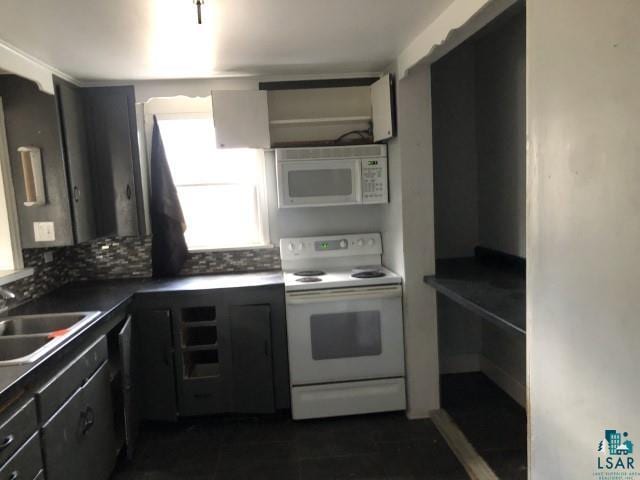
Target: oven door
[(319, 183), (345, 334)]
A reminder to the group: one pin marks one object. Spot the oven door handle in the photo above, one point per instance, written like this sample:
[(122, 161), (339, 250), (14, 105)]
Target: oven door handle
[(344, 295)]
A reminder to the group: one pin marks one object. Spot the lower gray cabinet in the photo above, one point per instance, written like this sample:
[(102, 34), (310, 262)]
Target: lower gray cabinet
[(155, 371), (16, 429), (26, 463), (253, 388), (78, 440)]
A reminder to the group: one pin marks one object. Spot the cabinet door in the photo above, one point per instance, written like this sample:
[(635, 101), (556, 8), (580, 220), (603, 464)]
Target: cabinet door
[(129, 388), (383, 108), (253, 390), (155, 370), (74, 143), (79, 440), (115, 160), (241, 119)]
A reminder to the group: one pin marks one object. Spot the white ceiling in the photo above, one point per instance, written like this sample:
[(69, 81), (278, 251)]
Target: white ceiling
[(153, 39)]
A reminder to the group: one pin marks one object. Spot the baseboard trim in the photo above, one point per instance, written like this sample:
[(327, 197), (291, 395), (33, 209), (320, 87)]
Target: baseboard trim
[(506, 382), (461, 363), (472, 462)]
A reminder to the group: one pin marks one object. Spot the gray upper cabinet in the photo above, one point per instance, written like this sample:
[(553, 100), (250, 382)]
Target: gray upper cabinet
[(31, 119), (113, 145), (74, 142)]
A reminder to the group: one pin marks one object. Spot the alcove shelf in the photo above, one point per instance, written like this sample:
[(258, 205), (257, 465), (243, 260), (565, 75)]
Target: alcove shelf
[(491, 284)]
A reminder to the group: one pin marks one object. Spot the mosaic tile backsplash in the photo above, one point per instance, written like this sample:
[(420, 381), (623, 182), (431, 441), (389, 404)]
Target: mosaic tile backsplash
[(117, 258)]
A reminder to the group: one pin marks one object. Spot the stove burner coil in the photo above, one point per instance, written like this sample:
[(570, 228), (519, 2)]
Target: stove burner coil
[(308, 279), (368, 274), (309, 273)]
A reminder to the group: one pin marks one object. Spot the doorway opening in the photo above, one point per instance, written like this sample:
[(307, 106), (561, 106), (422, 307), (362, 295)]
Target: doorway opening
[(478, 95)]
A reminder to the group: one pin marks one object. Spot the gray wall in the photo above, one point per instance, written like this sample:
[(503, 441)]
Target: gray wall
[(583, 230), (32, 120), (479, 142), (501, 126), (455, 153)]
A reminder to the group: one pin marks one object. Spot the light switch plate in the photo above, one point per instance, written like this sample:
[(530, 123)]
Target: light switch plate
[(44, 231)]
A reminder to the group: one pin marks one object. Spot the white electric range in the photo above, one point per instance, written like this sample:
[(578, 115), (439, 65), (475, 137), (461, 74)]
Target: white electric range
[(344, 326)]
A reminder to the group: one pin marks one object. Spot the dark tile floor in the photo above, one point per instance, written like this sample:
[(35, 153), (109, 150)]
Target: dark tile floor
[(491, 420), (372, 447)]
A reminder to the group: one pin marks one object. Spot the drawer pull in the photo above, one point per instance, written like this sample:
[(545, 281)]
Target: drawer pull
[(8, 440), (14, 475), (89, 420)]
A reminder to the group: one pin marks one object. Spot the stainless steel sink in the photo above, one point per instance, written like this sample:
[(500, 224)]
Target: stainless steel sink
[(30, 324), (17, 350), (26, 338)]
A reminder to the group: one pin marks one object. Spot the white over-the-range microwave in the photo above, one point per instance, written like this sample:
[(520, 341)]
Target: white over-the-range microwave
[(326, 176)]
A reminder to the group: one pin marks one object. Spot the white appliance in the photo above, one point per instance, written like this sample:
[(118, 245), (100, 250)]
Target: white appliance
[(325, 176), (344, 326)]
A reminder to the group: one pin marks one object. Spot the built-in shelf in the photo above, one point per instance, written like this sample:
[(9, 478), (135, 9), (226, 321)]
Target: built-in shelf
[(320, 121), (494, 290)]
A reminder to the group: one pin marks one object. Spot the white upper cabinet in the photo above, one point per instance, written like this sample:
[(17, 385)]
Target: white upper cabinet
[(382, 109), (241, 119)]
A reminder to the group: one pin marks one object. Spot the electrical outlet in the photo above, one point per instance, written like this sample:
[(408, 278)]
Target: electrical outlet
[(44, 231), (48, 257)]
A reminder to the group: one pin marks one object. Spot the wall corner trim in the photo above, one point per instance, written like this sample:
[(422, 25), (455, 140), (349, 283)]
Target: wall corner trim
[(457, 23)]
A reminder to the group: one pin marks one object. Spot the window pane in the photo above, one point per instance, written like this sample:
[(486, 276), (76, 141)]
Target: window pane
[(190, 146), (218, 189), (220, 216)]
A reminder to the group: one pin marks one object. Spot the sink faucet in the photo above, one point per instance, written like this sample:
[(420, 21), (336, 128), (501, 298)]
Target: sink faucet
[(6, 294)]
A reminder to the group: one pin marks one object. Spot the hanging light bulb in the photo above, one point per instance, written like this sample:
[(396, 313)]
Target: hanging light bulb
[(198, 4)]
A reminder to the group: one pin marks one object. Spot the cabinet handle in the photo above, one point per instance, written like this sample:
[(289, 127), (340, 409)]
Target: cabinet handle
[(128, 192), (14, 475), (8, 440), (87, 419), (76, 193), (90, 419)]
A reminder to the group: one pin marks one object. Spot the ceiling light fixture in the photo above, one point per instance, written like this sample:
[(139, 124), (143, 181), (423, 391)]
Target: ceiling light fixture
[(198, 4)]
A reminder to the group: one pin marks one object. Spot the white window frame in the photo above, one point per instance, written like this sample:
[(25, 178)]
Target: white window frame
[(198, 107)]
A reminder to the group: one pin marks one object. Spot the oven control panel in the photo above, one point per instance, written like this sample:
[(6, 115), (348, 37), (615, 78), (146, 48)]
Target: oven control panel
[(331, 246)]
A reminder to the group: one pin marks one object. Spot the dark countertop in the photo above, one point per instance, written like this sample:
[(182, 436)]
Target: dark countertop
[(107, 296), (493, 290)]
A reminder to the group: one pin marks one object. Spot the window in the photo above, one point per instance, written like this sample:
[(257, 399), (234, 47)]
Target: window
[(222, 191)]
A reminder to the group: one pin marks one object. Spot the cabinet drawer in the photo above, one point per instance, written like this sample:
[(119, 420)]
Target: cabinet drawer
[(15, 430), (79, 439), (76, 373), (204, 396), (26, 463)]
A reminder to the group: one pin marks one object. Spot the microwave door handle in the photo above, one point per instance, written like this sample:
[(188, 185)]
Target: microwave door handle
[(358, 181)]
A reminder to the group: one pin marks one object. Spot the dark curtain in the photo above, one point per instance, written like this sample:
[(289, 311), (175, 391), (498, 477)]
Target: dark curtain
[(168, 247)]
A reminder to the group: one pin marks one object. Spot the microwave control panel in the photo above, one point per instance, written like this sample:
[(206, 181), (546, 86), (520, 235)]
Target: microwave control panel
[(374, 180)]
